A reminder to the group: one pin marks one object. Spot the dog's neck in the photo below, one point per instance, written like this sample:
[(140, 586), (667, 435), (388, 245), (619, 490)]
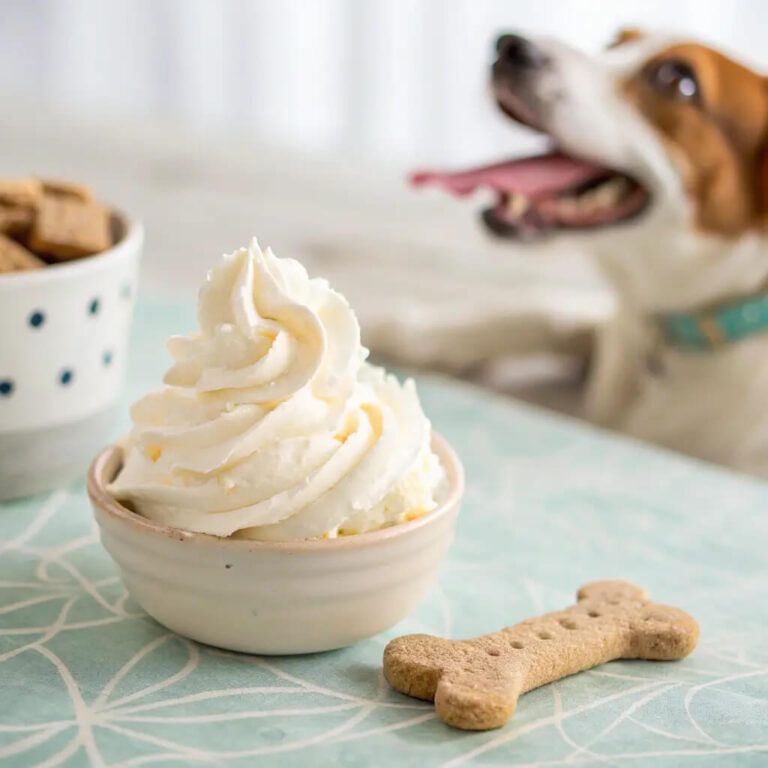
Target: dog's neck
[(676, 271)]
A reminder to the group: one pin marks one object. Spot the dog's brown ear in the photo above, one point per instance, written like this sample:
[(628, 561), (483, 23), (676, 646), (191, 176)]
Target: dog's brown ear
[(761, 182), (626, 35), (760, 168)]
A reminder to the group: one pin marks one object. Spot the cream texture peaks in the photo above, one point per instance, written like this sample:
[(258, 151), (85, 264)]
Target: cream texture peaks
[(272, 425)]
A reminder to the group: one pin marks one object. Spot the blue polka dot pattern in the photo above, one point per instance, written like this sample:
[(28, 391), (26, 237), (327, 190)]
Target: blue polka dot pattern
[(36, 319), (93, 307), (6, 387), (125, 291), (106, 358), (66, 376)]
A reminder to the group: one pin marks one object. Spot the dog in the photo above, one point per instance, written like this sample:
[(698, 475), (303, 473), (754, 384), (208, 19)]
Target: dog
[(660, 167)]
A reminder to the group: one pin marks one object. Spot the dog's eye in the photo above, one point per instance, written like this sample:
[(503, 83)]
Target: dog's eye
[(675, 79)]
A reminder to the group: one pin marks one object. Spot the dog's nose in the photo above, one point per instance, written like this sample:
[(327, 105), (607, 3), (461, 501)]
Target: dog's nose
[(518, 52)]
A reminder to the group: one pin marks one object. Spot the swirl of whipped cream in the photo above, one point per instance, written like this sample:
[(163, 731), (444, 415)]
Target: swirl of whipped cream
[(272, 425)]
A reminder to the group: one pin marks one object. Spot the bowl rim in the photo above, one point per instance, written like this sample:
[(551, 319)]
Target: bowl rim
[(130, 242), (112, 454)]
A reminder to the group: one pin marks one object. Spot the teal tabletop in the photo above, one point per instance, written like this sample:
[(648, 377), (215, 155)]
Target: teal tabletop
[(87, 679)]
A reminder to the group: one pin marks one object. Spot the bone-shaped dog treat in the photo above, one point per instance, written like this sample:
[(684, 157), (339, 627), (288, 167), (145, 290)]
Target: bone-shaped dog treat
[(475, 684)]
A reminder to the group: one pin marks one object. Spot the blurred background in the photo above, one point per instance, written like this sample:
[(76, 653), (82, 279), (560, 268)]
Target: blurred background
[(297, 120), (391, 80)]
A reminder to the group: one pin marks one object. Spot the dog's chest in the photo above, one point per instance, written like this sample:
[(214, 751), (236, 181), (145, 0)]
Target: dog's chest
[(708, 404)]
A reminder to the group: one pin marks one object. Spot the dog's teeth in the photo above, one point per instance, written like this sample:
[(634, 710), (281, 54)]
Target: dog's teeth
[(611, 192), (597, 198), (606, 195), (586, 202), (517, 205), (603, 196), (600, 198)]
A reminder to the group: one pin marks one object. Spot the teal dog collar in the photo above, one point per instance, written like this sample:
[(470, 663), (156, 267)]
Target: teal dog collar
[(714, 328)]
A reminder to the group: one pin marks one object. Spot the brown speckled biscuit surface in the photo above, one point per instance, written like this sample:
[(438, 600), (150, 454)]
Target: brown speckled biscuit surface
[(71, 189), (16, 258), (24, 192), (67, 228), (475, 684)]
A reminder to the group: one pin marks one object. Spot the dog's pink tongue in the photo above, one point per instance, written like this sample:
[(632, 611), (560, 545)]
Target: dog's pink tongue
[(530, 176)]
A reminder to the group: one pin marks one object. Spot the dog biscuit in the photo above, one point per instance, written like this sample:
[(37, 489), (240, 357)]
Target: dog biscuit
[(475, 684), (68, 228), (22, 192), (71, 189), (15, 257), (16, 219)]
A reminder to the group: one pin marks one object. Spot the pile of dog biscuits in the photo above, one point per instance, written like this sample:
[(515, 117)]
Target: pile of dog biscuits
[(46, 222)]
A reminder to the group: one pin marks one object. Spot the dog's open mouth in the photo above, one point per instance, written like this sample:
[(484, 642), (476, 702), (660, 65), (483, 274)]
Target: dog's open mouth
[(537, 195)]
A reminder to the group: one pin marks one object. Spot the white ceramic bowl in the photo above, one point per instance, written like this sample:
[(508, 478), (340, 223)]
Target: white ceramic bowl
[(63, 344), (276, 598)]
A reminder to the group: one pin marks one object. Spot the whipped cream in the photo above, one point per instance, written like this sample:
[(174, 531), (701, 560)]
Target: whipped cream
[(272, 424)]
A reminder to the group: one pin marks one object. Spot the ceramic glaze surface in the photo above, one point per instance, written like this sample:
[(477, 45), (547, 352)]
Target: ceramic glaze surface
[(64, 343), (63, 351), (276, 597)]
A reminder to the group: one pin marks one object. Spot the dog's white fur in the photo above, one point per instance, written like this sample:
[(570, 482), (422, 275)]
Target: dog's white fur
[(710, 405)]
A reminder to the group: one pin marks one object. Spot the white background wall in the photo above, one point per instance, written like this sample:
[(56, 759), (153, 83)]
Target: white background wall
[(398, 80)]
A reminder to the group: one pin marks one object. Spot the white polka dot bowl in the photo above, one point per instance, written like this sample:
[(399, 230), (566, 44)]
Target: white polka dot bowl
[(276, 597), (63, 342)]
